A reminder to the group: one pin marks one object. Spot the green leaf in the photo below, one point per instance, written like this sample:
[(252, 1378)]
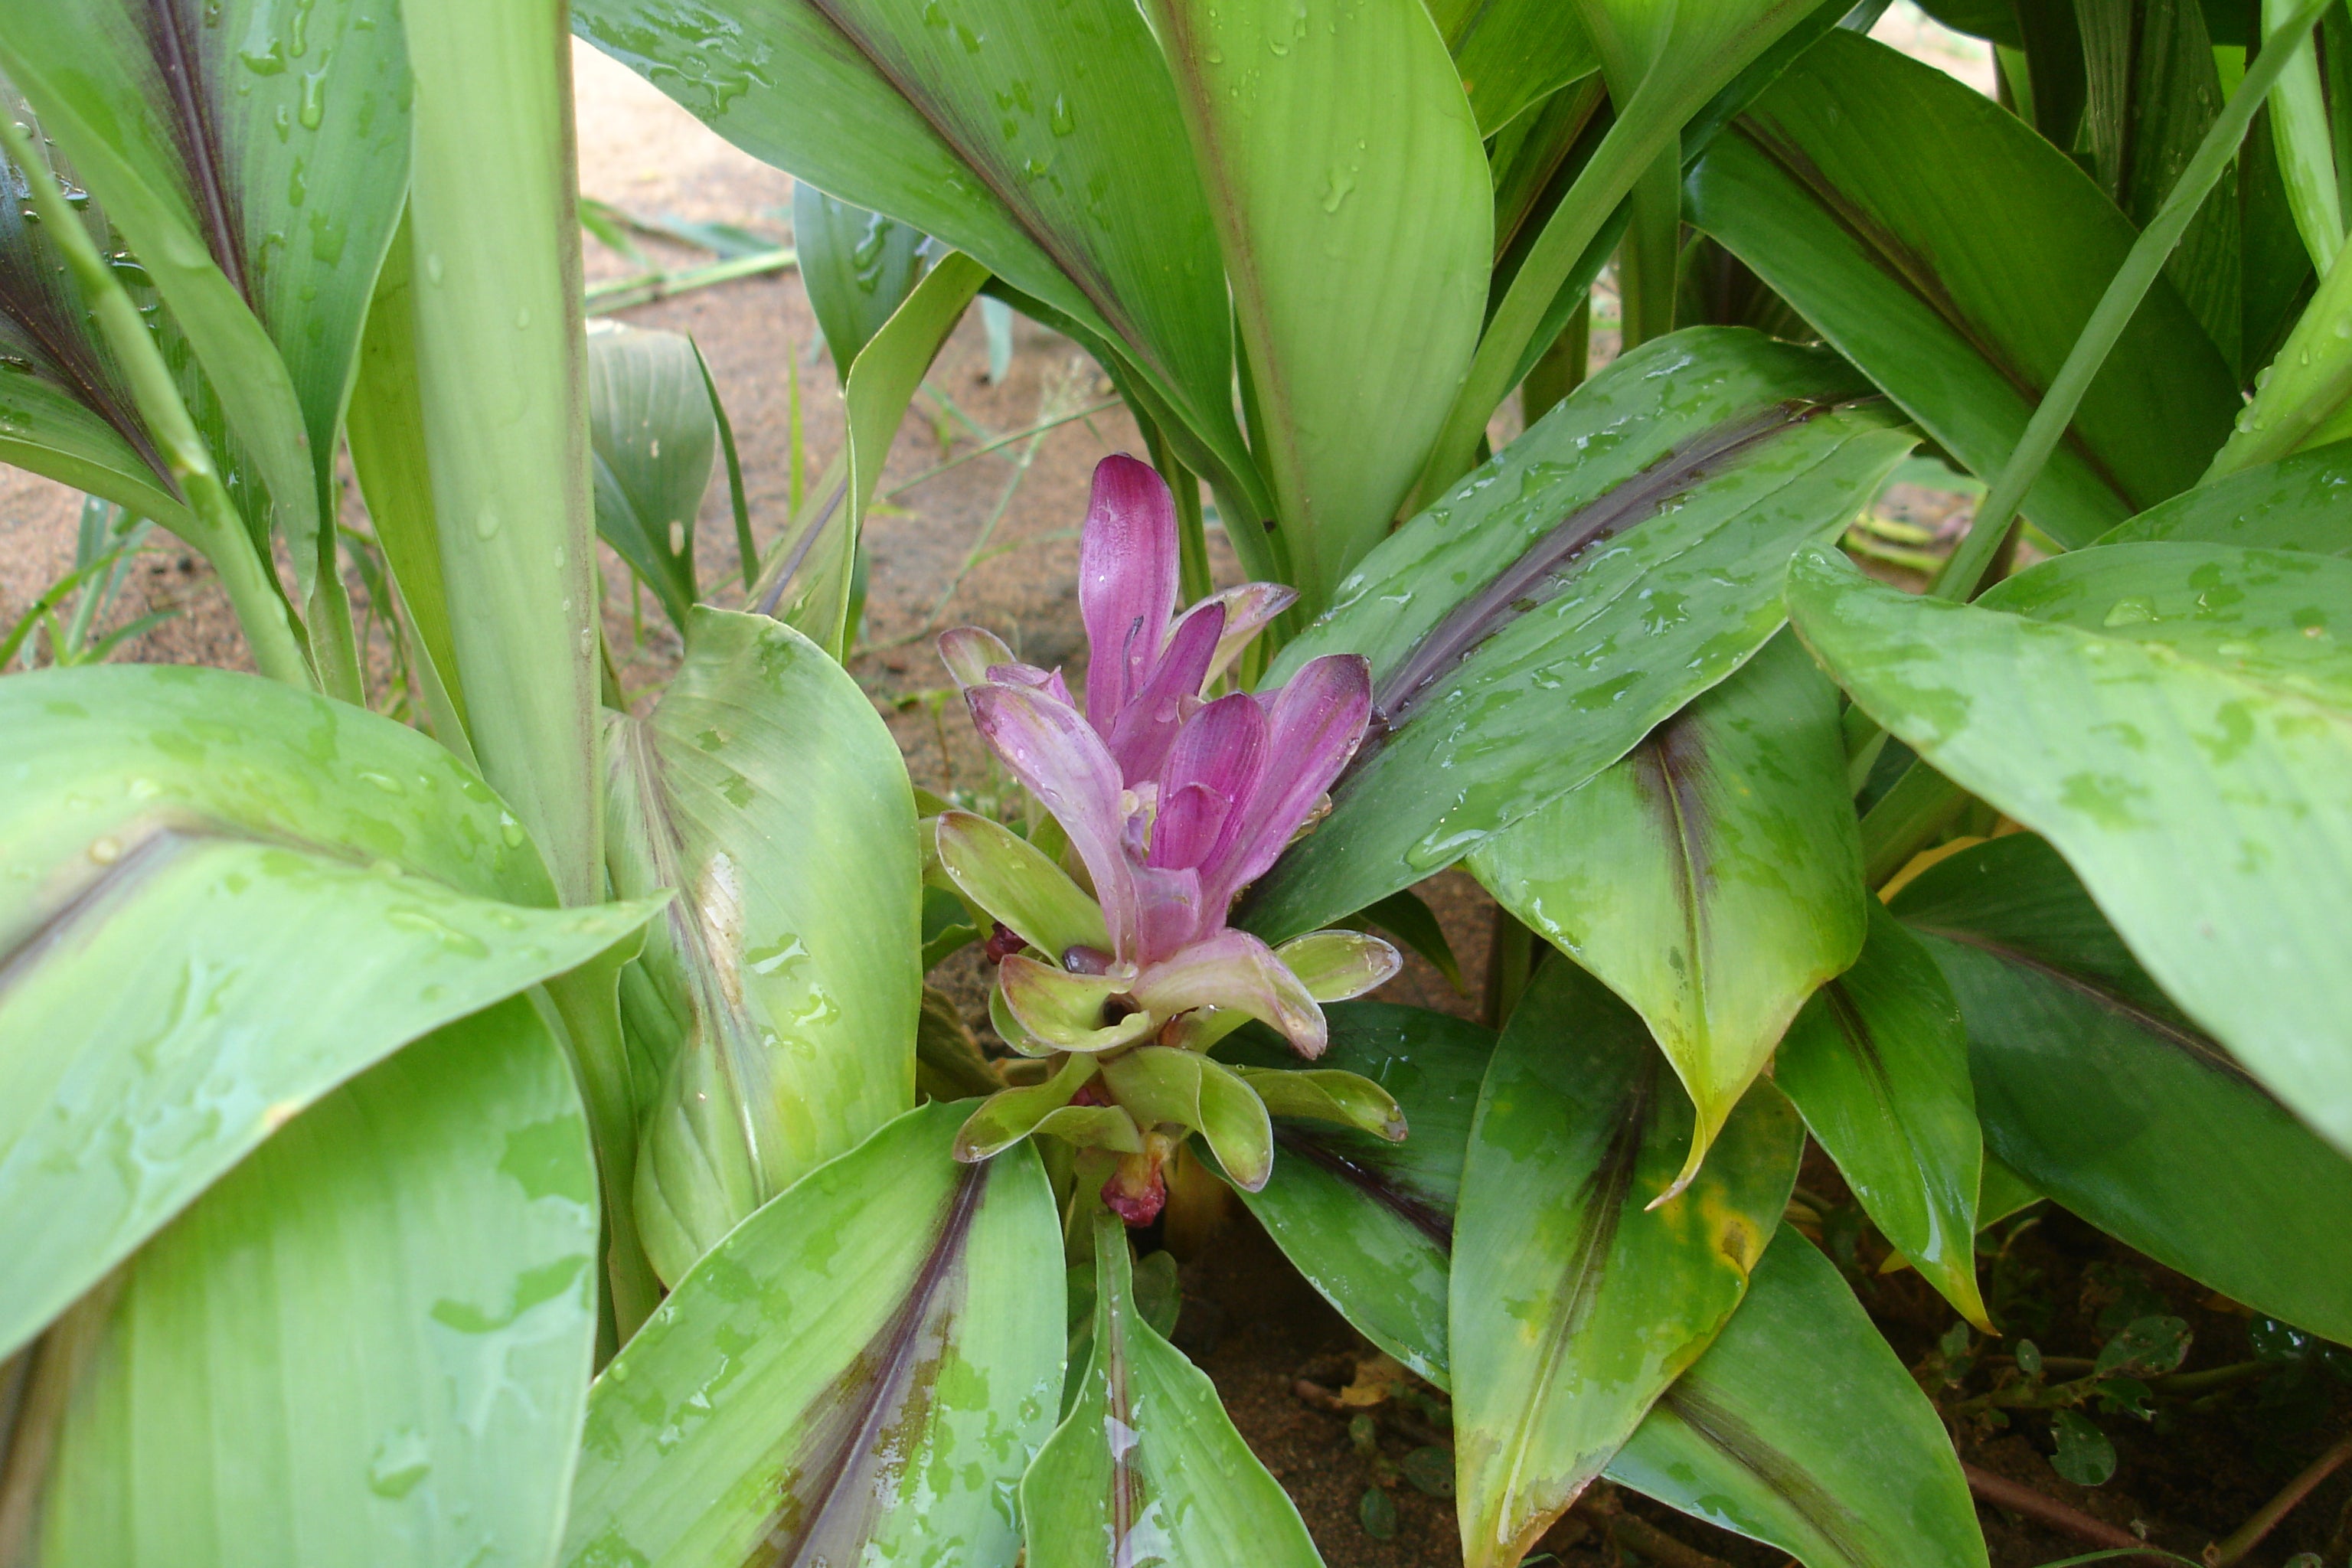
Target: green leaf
[(368, 1344), (2084, 1456), (2174, 718), (1371, 1223), (2295, 503), (767, 793), (859, 1371), (1156, 1084), (1579, 1289), (1877, 1064), (1328, 131), (1328, 1094), (1801, 1427), (858, 266), (1898, 210), (1147, 1468), (651, 438), (815, 571), (254, 154), (1712, 878), (233, 843), (502, 367), (1019, 884), (1512, 53), (2095, 1088), (1044, 144), (1512, 659)]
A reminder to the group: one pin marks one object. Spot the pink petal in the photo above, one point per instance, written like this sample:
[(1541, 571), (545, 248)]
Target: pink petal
[(1214, 766), (1234, 969), (1249, 610), (1050, 748), (1170, 912), (1127, 580), (1313, 727), (1142, 731), (969, 651)]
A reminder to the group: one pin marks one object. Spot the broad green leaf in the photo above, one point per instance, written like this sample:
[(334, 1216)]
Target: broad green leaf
[(1801, 1427), (780, 990), (1512, 54), (1877, 1064), (2295, 503), (1898, 210), (1019, 884), (2092, 1084), (1579, 1289), (651, 441), (385, 428), (859, 1373), (1345, 177), (368, 1344), (1712, 878), (501, 366), (1371, 1223), (1156, 1084), (2176, 718), (254, 154), (858, 266), (1687, 54), (233, 843), (1044, 141), (1617, 560), (814, 572), (1147, 1468)]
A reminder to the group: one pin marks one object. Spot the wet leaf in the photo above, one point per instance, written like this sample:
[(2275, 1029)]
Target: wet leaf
[(1147, 1467), (777, 997), (231, 842), (1371, 1223), (1877, 1064), (2295, 503), (1712, 878), (2178, 719), (1527, 630), (1898, 209), (1572, 1312), (1328, 1094), (366, 1345), (865, 1366), (1765, 1435), (2092, 1084), (652, 438)]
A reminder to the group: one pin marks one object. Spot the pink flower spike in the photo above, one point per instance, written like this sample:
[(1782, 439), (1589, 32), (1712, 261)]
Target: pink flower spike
[(1249, 610), (1213, 768), (1313, 726), (1234, 969), (1127, 580), (1142, 734), (1054, 752)]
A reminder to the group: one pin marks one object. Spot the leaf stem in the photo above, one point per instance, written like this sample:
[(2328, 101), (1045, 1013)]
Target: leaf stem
[(2115, 308), (2247, 1536), (279, 649)]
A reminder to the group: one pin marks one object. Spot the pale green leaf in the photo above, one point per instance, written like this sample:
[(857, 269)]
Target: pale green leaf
[(652, 438)]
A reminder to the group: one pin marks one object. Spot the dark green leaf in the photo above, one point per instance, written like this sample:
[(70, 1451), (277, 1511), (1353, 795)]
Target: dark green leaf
[(1877, 1064), (2148, 1346), (1712, 878), (1581, 1291), (863, 1367), (1147, 1467), (2084, 1456), (1370, 1223), (1898, 210), (368, 1344), (858, 266), (784, 980), (1800, 1426), (2091, 1083), (2178, 719), (1514, 656)]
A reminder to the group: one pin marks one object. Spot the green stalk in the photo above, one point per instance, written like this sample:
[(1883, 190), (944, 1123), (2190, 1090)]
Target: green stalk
[(501, 365), (1650, 256), (2306, 156), (1192, 529), (2115, 308), (2299, 399), (278, 648)]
